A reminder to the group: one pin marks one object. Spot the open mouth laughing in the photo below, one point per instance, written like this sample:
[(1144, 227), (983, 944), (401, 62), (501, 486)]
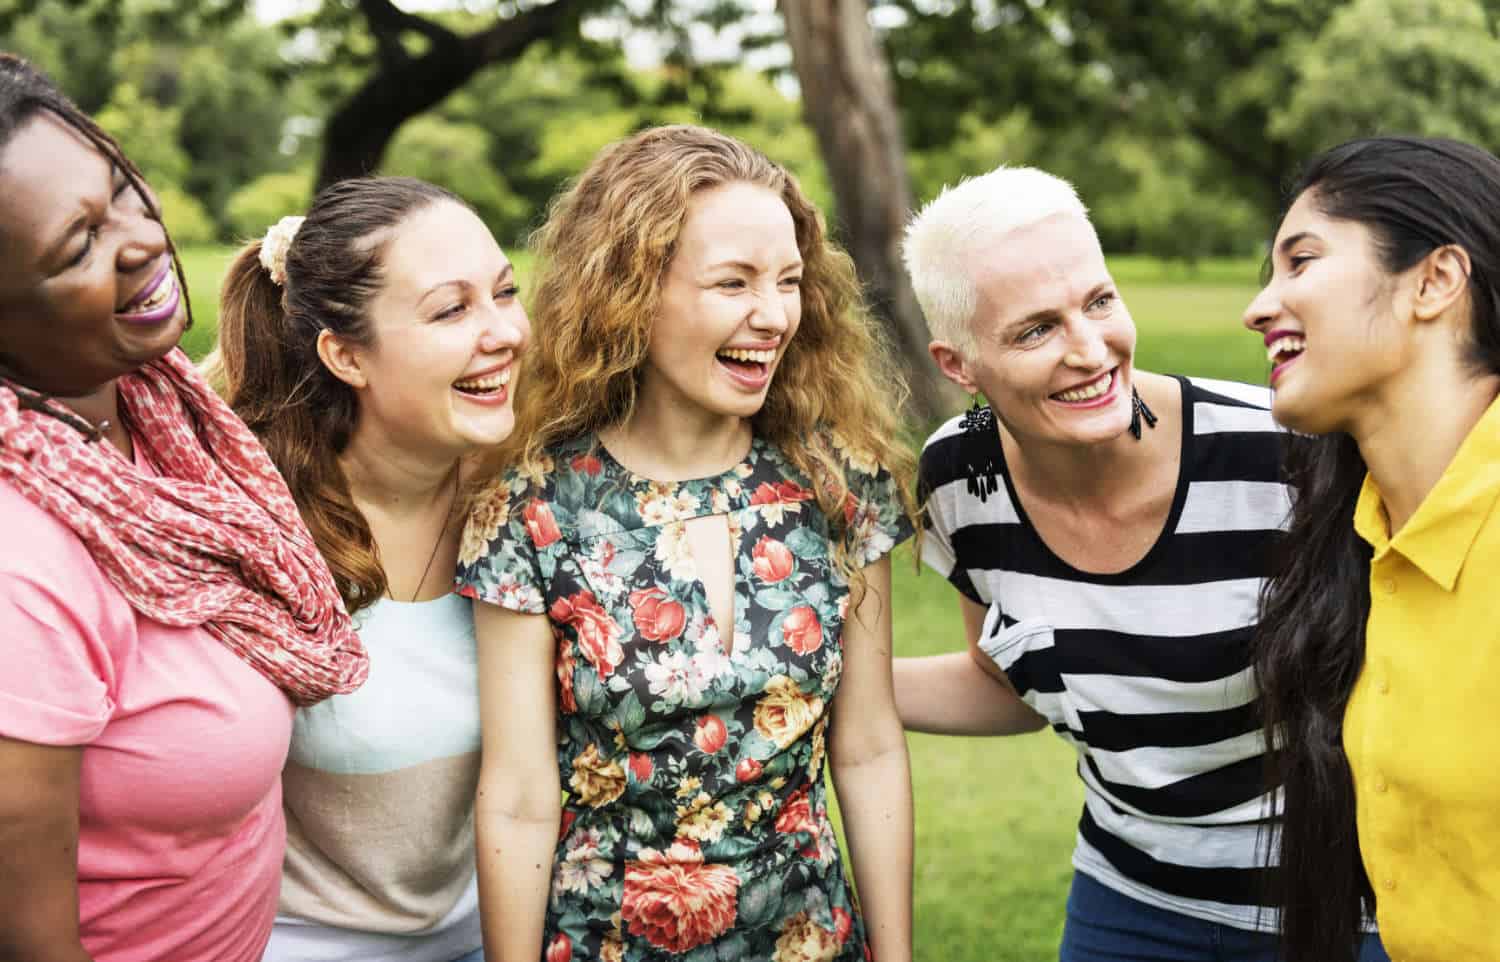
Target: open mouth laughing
[(487, 387), (1282, 349), (749, 367), (156, 302)]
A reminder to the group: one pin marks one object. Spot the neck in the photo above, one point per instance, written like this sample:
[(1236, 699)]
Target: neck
[(102, 407), (1410, 433), (677, 441), (1097, 474), (385, 475)]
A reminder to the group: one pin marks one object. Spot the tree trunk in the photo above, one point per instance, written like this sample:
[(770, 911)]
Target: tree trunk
[(847, 97), (402, 86)]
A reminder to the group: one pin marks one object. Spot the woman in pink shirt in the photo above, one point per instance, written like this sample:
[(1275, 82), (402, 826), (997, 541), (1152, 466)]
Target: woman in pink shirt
[(162, 607)]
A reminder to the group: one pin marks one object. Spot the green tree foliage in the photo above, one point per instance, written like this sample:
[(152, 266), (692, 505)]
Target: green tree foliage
[(265, 200), (456, 156), (1389, 66)]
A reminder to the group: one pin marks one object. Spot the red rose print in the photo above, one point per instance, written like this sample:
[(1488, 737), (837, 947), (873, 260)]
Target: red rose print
[(796, 815), (587, 464), (802, 631), (560, 949), (676, 901), (782, 492), (565, 666), (851, 508), (568, 818), (843, 924), (710, 734), (598, 635), (641, 767), (540, 523), (658, 616), (748, 770), (771, 560)]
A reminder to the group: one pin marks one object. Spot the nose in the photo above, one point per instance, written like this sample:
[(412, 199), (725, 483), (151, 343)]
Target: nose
[(144, 240), (768, 311), (1262, 310), (1086, 348), (508, 328)]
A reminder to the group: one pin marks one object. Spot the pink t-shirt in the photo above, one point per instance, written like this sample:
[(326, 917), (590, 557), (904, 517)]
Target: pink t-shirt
[(181, 831)]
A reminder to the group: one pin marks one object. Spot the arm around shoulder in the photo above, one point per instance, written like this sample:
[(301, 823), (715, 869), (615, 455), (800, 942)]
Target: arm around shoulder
[(962, 692), (518, 805)]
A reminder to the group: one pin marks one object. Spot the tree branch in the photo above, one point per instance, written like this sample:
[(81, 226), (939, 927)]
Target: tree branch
[(388, 22)]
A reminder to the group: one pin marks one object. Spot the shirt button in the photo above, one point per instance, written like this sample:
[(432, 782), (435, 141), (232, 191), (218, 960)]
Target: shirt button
[(1380, 785), (1388, 585), (1383, 686), (1389, 884)]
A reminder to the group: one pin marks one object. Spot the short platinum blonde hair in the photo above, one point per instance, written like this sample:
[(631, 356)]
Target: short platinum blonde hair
[(944, 237)]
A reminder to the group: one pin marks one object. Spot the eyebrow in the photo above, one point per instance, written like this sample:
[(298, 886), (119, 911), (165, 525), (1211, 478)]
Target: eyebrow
[(1052, 314), (749, 267), (508, 271), (1286, 245)]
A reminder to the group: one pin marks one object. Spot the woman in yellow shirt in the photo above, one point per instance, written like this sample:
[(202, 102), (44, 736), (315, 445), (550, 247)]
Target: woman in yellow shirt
[(1379, 642)]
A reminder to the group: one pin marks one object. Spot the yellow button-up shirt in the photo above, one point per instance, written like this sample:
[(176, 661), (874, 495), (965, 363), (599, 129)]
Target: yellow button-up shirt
[(1422, 729)]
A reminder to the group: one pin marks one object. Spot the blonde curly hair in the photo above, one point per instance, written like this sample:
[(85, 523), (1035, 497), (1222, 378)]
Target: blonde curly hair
[(603, 253)]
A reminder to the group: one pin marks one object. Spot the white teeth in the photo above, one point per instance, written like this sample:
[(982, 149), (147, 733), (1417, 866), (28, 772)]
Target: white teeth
[(753, 357), (1089, 392), (491, 383), (1288, 345), (158, 297)]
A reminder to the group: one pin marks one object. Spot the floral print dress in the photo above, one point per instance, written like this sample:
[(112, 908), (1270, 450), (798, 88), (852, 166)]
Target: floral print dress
[(696, 822)]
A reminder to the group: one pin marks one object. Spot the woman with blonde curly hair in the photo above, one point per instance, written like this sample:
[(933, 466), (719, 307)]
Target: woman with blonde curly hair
[(685, 558)]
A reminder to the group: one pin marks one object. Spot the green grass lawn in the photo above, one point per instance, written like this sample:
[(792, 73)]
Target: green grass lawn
[(995, 817)]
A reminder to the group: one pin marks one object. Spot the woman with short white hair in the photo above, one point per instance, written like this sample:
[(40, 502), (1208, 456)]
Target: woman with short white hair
[(1107, 530)]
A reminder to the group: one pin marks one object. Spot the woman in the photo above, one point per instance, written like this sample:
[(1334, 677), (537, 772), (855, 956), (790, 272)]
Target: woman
[(1106, 530), (370, 346), (698, 501), (1378, 644), (164, 605)]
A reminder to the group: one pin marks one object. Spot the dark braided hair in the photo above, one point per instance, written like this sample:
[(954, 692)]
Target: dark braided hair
[(26, 92)]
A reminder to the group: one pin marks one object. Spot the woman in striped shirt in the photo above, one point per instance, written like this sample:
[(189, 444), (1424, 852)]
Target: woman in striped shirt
[(1108, 531)]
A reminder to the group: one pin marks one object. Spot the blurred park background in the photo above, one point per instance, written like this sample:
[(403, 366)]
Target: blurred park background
[(1179, 121)]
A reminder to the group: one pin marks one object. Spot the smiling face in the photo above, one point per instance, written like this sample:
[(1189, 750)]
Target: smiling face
[(447, 328), (730, 304), (87, 290), (1055, 341), (1328, 319)]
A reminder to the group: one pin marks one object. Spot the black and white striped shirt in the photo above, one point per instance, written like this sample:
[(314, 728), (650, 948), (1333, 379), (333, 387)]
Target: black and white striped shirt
[(1145, 672)]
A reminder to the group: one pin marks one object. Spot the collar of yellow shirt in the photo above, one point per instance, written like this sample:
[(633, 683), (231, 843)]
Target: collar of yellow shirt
[(1437, 538)]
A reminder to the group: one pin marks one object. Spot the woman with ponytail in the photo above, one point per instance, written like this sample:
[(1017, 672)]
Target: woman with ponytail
[(164, 608), (1378, 646), (370, 346)]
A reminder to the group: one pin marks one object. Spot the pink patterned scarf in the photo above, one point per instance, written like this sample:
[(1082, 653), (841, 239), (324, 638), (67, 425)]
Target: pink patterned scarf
[(213, 540)]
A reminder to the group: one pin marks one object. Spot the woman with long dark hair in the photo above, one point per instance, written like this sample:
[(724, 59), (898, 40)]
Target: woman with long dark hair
[(164, 608), (1378, 643)]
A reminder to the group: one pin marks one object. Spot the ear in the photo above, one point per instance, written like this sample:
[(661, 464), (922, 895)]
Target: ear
[(340, 359), (951, 362), (1442, 280)]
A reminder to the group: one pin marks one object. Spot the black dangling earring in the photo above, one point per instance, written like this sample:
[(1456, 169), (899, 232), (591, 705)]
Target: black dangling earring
[(980, 470), (1138, 410)]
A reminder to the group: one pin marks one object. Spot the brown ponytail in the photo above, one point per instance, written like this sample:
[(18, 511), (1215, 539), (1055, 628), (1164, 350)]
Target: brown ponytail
[(267, 367)]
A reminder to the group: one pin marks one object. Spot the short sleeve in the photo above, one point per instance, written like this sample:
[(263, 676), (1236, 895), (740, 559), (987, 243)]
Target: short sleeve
[(938, 505), (874, 511), (57, 669), (497, 559)]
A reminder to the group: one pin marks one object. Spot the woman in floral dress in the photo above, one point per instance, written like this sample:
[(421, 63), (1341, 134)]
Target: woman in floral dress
[(685, 575)]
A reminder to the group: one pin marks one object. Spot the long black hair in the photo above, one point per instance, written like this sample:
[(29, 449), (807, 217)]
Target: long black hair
[(1414, 195), (25, 93)]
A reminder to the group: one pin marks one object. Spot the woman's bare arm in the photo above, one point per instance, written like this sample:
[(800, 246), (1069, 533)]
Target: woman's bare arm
[(39, 853), (871, 771), (519, 802)]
